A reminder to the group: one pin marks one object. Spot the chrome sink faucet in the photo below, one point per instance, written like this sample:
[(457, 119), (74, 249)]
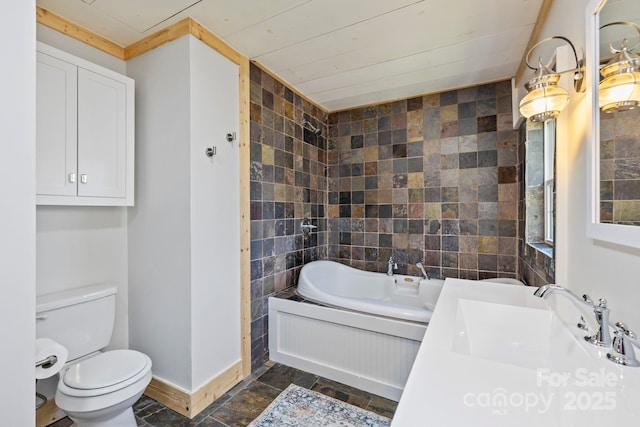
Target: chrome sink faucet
[(424, 273), (622, 348), (602, 338), (391, 265)]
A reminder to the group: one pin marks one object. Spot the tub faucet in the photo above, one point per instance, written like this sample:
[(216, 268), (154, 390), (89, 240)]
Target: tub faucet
[(391, 265), (602, 338), (424, 273)]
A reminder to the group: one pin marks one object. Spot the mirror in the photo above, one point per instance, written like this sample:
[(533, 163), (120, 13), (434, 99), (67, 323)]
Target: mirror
[(614, 157)]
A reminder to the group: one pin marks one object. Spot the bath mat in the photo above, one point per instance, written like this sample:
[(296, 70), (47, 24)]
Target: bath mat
[(300, 407)]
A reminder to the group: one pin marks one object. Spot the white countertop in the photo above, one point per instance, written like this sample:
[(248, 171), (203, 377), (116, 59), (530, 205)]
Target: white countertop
[(567, 383)]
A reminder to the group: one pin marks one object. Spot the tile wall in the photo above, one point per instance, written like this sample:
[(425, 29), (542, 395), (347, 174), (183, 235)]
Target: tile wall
[(435, 178), (620, 167), (536, 261), (432, 179), (288, 183)]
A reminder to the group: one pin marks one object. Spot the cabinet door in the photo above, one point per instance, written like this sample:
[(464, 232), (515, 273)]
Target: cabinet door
[(56, 126), (101, 135)]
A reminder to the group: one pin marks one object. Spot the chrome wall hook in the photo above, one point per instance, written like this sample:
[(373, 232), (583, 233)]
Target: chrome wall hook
[(211, 151)]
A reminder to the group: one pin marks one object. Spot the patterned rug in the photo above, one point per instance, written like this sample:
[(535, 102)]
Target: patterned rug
[(298, 406)]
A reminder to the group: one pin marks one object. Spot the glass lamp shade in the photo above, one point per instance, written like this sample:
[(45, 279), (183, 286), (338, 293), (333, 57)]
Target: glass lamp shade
[(544, 102), (620, 92)]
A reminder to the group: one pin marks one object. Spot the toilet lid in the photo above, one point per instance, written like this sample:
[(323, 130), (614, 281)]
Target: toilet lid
[(105, 369)]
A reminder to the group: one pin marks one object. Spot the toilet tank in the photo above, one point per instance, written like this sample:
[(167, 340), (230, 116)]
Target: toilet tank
[(80, 319)]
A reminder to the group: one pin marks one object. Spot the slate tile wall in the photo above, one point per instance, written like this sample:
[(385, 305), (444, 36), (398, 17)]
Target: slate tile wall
[(432, 179), (620, 167), (288, 183), (536, 264)]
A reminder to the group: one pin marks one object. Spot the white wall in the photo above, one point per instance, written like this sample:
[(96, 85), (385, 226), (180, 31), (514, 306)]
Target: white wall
[(17, 213), (79, 49), (76, 245), (184, 232), (215, 214), (159, 224), (585, 265)]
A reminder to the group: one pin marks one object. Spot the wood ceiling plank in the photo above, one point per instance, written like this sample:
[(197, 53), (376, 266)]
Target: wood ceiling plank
[(383, 95), (229, 17), (475, 54), (140, 14), (497, 70), (381, 39), (97, 22), (533, 39), (307, 21), (312, 40)]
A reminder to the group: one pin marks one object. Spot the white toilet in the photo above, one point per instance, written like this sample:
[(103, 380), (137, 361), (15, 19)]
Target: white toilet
[(96, 389)]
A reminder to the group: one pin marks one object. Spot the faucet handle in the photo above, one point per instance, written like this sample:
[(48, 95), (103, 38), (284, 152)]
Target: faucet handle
[(621, 353), (582, 324), (587, 299), (602, 338)]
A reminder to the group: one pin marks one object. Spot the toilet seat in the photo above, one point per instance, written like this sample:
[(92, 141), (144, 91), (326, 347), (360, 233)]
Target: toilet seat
[(104, 373)]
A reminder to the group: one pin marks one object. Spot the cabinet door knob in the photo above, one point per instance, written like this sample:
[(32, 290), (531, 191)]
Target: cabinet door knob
[(72, 178), (83, 178)]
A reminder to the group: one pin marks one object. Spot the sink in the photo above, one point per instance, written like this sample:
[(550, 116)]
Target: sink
[(496, 355), (516, 335)]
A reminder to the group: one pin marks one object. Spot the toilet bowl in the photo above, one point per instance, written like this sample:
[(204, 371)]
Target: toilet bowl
[(96, 388), (100, 390)]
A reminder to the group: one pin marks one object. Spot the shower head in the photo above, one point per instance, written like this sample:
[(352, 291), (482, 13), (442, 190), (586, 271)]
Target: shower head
[(312, 128)]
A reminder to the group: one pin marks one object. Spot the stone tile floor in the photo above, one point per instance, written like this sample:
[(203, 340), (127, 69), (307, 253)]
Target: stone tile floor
[(243, 403)]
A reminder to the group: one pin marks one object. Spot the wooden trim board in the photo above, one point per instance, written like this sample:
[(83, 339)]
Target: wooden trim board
[(191, 404), (157, 39), (48, 414), (58, 23), (245, 218), (208, 393), (170, 396), (542, 17), (172, 32), (214, 42), (403, 98), (177, 30), (181, 401), (290, 86)]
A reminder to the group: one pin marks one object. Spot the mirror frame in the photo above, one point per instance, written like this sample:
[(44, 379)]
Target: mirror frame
[(627, 235)]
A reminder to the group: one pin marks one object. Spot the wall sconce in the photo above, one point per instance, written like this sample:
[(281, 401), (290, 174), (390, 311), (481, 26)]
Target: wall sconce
[(545, 99), (619, 89)]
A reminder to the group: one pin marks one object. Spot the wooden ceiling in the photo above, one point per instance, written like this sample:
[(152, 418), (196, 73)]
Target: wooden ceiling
[(340, 53)]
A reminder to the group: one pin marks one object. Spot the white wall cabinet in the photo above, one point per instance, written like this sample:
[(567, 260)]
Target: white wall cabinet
[(84, 132)]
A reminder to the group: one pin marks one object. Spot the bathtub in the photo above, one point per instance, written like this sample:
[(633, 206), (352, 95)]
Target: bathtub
[(400, 297), (367, 331)]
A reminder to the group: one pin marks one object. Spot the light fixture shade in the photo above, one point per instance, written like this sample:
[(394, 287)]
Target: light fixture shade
[(620, 92), (544, 103)]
